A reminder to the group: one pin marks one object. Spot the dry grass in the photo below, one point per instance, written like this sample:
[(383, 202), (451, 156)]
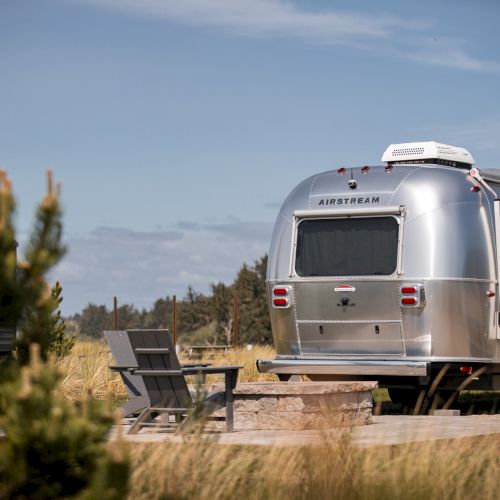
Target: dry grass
[(243, 357), (202, 469), (85, 370), (431, 470)]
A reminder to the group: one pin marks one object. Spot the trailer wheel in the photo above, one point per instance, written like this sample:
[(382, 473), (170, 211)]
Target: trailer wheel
[(283, 377)]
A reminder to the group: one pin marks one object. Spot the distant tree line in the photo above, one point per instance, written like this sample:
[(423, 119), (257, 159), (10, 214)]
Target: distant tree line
[(200, 319)]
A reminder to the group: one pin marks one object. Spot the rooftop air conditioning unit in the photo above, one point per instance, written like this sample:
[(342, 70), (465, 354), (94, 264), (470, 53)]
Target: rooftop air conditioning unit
[(427, 152)]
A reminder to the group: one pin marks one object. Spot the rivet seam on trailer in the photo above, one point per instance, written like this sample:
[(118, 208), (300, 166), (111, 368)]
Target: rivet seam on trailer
[(285, 219), (401, 320), (401, 222), (297, 333), (450, 204), (311, 190), (403, 180), (491, 210)]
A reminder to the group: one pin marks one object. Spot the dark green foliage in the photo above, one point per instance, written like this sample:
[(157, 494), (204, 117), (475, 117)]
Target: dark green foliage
[(26, 300), (206, 335), (54, 448), (61, 343), (193, 311), (222, 311), (43, 251), (161, 314), (253, 312), (10, 300), (129, 317), (94, 320)]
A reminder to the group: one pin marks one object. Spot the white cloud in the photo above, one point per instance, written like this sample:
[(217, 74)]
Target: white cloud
[(272, 17), (449, 53), (382, 33), (139, 267)]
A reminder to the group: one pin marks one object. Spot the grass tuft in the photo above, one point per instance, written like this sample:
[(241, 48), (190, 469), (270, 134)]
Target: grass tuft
[(86, 372), (430, 470)]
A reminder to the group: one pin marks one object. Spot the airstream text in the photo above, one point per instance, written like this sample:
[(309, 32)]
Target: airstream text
[(349, 201)]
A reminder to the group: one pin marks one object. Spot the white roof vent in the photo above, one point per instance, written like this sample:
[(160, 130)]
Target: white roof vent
[(427, 152)]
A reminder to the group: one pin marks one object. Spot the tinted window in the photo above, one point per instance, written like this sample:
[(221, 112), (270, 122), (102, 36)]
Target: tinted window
[(347, 247)]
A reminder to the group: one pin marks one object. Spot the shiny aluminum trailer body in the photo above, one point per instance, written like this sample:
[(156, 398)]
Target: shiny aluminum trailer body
[(357, 325)]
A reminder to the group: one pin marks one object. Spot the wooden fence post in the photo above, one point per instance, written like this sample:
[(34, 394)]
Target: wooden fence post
[(174, 320), (235, 319), (115, 314)]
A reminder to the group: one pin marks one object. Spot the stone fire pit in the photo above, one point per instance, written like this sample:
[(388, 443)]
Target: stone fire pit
[(302, 405)]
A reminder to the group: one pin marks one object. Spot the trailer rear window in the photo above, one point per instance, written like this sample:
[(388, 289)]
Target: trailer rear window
[(347, 247)]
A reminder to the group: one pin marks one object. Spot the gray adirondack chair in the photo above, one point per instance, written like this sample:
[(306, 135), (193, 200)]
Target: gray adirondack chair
[(125, 361), (165, 384)]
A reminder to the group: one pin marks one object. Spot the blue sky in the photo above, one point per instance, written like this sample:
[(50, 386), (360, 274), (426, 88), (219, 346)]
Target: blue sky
[(178, 127)]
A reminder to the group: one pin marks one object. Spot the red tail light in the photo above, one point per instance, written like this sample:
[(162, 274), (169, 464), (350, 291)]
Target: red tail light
[(466, 370), (365, 169), (282, 296), (341, 171), (280, 302), (408, 301), (412, 295)]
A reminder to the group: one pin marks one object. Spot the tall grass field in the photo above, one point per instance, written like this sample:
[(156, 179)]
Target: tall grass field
[(201, 468), (457, 469), (86, 369)]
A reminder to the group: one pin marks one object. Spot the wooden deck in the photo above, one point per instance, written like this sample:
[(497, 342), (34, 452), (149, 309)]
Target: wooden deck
[(385, 430)]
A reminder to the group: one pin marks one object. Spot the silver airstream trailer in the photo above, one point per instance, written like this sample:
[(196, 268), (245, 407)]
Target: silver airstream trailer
[(390, 273)]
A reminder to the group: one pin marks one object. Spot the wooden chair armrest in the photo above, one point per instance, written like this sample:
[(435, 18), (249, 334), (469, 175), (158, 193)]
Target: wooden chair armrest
[(151, 350), (157, 373), (210, 369)]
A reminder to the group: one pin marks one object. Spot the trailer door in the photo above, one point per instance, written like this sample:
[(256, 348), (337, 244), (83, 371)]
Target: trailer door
[(347, 287)]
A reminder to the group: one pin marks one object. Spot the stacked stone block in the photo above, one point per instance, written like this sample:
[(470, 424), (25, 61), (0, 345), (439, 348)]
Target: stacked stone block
[(302, 405)]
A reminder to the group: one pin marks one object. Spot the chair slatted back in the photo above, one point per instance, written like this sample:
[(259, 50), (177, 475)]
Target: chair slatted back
[(164, 391), (121, 349)]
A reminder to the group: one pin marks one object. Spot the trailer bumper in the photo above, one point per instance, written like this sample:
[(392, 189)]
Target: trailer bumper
[(294, 366)]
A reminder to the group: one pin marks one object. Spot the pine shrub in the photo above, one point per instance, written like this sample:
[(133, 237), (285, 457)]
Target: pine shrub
[(50, 448), (60, 343), (55, 448)]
